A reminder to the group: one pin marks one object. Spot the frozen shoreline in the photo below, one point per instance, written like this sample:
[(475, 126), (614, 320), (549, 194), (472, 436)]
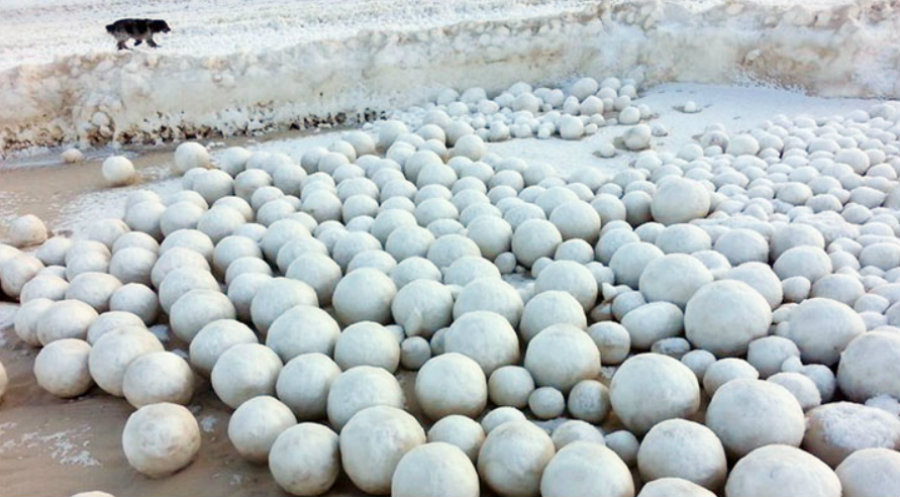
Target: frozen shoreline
[(94, 97)]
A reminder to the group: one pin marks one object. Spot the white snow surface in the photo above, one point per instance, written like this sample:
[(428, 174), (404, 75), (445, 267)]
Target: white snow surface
[(232, 67)]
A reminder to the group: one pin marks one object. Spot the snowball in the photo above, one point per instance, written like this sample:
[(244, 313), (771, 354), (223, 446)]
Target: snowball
[(574, 431), (562, 355), (624, 444), (673, 487), (367, 344), (71, 156), (649, 388), (245, 371), (768, 353), (725, 370), (27, 230), (117, 171), (373, 443), (441, 468), (64, 319), (197, 308), (510, 386), (683, 449), (304, 382), (652, 322), (533, 239), (546, 403), (834, 431), (44, 286), (822, 328), (486, 337), (132, 265), (305, 459), (637, 137), (423, 307), (189, 155), (673, 278), (94, 289), (275, 297), (678, 200), (513, 457), (490, 294), (16, 271), (158, 377), (359, 388), (683, 238), (870, 473), (781, 470), (136, 299), (809, 262), (726, 333), (61, 368), (414, 351), (870, 366), (801, 387), (570, 277), (364, 295), (586, 469), (746, 414), (256, 424), (630, 260), (160, 439), (612, 339), (460, 431), (548, 308), (214, 339)]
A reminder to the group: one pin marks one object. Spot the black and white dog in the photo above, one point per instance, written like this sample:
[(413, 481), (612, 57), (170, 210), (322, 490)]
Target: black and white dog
[(139, 29)]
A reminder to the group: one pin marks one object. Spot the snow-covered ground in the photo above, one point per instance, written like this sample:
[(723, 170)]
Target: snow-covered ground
[(231, 68)]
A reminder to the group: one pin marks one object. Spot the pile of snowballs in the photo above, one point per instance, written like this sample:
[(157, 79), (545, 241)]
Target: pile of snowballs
[(723, 319)]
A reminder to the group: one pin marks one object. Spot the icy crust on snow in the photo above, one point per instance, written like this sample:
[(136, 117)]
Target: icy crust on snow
[(830, 49)]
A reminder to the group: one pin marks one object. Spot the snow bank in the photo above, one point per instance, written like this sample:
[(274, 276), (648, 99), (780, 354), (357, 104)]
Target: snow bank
[(98, 97)]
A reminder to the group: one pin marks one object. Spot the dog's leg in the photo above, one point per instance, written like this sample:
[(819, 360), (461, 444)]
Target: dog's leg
[(138, 42), (151, 42), (121, 45)]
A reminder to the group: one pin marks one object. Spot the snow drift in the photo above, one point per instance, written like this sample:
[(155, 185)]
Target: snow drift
[(96, 98)]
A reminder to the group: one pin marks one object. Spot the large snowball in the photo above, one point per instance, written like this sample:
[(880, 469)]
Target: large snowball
[(548, 308), (372, 444), (158, 377), (65, 319), (746, 414), (305, 459), (486, 337), (245, 371), (114, 352), (822, 328), (359, 388), (490, 294), (870, 473), (513, 457), (834, 431), (256, 424), (61, 368), (571, 277), (303, 329), (870, 366), (27, 230), (196, 309), (276, 296), (364, 295), (189, 155), (673, 278), (724, 316), (423, 307), (304, 382), (160, 439), (649, 388), (367, 344), (451, 383), (683, 449), (781, 471), (586, 469), (533, 239), (562, 355), (214, 339), (435, 469), (117, 171), (678, 200)]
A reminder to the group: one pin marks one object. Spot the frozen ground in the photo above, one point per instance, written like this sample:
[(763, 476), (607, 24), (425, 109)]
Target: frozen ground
[(233, 68)]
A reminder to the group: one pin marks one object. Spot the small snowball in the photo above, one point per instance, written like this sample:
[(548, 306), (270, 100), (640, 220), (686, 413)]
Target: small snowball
[(27, 230), (118, 171), (61, 368)]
